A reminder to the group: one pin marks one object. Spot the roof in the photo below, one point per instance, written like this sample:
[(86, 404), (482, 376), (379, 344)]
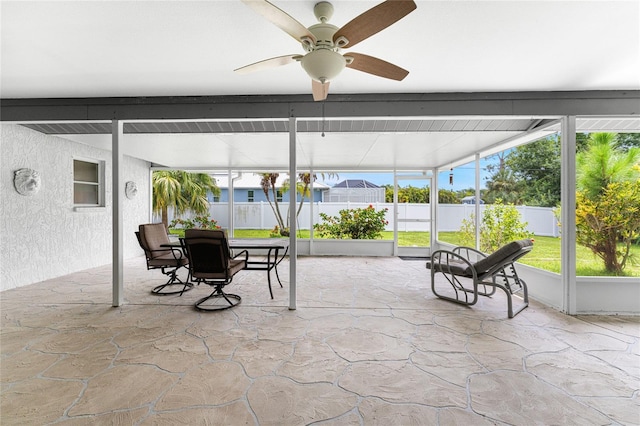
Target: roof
[(355, 183)]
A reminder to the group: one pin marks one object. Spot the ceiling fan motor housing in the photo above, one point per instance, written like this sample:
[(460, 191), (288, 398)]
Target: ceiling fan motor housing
[(323, 62)]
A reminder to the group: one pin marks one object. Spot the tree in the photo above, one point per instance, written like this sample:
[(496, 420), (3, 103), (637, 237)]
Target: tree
[(500, 224), (412, 194), (408, 194), (303, 183), (504, 186), (608, 200), (603, 163), (625, 141), (181, 191), (537, 167), (609, 225), (268, 184), (446, 196)]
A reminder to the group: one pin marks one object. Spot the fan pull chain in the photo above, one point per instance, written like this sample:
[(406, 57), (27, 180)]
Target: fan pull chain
[(323, 121)]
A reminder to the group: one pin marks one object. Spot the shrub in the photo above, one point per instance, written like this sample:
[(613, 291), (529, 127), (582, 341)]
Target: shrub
[(201, 222), (357, 224), (609, 224), (500, 225), (276, 232)]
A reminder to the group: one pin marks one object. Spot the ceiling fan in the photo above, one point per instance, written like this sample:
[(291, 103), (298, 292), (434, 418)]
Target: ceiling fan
[(323, 42)]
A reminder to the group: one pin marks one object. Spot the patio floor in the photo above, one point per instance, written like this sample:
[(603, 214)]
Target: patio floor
[(369, 344)]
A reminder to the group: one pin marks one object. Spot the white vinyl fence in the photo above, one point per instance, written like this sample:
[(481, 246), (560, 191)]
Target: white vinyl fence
[(540, 220)]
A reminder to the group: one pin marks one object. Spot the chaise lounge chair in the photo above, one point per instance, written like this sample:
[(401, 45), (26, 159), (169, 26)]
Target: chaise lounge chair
[(470, 273)]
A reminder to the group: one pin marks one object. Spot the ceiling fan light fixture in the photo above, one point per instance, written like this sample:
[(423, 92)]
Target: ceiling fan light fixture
[(323, 64)]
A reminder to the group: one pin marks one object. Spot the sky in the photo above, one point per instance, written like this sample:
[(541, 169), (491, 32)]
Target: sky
[(463, 177)]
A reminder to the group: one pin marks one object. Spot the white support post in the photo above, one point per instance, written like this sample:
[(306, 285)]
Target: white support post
[(311, 201), (568, 214), (433, 199), (230, 194), (293, 247), (396, 212), (116, 190), (477, 201)]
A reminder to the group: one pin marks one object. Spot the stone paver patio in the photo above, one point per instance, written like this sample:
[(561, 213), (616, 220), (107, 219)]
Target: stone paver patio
[(368, 345)]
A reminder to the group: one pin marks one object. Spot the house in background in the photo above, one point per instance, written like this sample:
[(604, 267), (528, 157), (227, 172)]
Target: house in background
[(470, 199), (247, 189), (356, 191)]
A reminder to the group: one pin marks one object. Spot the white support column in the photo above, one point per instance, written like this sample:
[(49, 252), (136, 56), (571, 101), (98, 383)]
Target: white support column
[(311, 201), (396, 212), (293, 247), (116, 206), (568, 214), (230, 195), (477, 201), (433, 199)]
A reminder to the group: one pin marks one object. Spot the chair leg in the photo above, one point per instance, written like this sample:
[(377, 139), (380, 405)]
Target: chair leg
[(461, 293), (227, 300), (174, 280)]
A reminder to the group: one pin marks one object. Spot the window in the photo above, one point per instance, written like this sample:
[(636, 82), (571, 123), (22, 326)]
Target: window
[(88, 180), (250, 195), (279, 195)]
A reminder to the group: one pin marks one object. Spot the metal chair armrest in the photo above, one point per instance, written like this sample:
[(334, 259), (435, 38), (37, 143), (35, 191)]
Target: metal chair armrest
[(444, 257), (244, 253), (467, 251)]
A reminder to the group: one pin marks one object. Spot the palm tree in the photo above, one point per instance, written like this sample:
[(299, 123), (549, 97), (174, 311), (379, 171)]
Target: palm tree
[(503, 185), (304, 181), (602, 163), (182, 191), (268, 183)]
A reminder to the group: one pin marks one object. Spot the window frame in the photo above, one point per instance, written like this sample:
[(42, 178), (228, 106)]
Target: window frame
[(250, 196), (99, 183)]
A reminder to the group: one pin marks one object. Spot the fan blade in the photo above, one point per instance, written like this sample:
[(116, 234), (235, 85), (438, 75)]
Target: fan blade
[(267, 63), (281, 19), (372, 21), (375, 66), (320, 90)]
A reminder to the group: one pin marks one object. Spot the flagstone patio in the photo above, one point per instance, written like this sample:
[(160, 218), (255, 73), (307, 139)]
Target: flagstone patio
[(368, 344)]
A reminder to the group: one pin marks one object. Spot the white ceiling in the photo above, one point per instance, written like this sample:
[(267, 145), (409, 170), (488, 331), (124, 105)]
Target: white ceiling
[(155, 48), (189, 48), (334, 152)]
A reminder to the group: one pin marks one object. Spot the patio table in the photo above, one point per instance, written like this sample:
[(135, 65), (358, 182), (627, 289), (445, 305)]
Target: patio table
[(276, 250)]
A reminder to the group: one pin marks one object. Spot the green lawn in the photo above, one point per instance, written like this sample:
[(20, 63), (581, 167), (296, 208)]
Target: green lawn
[(545, 254)]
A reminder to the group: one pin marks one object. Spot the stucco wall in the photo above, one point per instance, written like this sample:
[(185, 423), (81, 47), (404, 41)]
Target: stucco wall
[(41, 236)]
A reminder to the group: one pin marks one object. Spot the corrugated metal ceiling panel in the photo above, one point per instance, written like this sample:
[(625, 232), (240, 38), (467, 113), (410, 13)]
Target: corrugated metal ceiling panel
[(332, 125)]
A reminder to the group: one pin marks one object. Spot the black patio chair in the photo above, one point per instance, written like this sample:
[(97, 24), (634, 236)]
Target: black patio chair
[(153, 239), (211, 262), (470, 273)]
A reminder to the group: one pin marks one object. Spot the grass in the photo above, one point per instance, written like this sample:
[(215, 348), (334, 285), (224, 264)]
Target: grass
[(545, 255)]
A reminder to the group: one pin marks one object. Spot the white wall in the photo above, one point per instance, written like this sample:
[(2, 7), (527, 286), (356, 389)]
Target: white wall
[(607, 295), (41, 236)]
